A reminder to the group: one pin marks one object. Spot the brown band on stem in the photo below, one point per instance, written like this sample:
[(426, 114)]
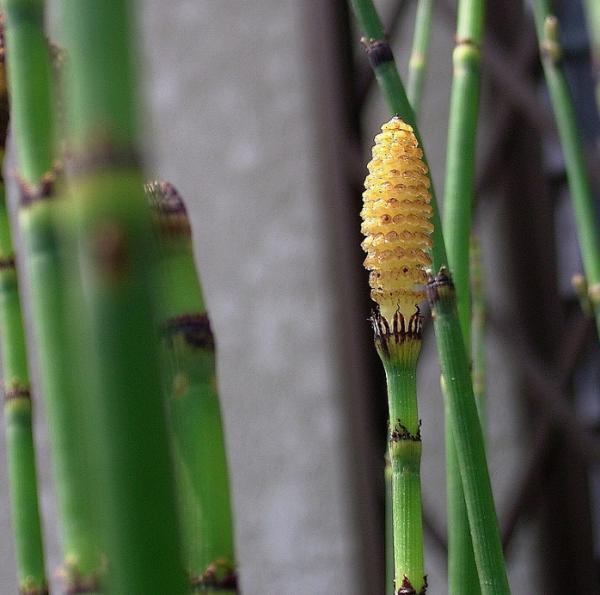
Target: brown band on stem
[(194, 327), (466, 41), (7, 263), (401, 433), (218, 576), (437, 285), (102, 155), (399, 332), (378, 51), (17, 392), (44, 190)]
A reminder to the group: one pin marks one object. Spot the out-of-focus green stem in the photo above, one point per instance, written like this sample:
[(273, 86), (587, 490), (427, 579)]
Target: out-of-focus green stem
[(107, 218), (32, 119), (417, 65), (23, 487), (191, 391), (458, 201), (586, 216)]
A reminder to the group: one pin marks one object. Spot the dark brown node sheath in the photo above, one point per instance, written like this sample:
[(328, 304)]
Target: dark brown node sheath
[(44, 190), (17, 392), (407, 588), (195, 328), (378, 51), (387, 336), (439, 286), (219, 576)]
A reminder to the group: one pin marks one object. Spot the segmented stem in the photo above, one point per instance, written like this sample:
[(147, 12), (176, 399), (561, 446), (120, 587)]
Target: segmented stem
[(191, 390), (458, 201)]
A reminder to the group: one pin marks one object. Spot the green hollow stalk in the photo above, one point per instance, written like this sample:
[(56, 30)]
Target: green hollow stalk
[(469, 446), (592, 8), (586, 216), (32, 120), (465, 426), (20, 452), (417, 64), (191, 391), (399, 354), (107, 219), (457, 222)]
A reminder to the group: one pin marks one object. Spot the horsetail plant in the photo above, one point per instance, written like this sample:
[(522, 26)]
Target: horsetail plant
[(29, 550), (191, 392), (396, 222), (32, 119), (417, 64), (586, 216), (108, 219), (458, 205), (460, 402)]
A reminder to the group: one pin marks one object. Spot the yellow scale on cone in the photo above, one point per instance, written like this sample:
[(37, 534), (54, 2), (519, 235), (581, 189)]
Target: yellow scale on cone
[(396, 220)]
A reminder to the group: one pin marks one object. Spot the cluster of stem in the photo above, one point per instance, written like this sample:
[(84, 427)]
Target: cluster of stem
[(191, 391)]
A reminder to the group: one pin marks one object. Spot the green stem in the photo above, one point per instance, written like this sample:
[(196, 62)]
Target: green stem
[(468, 439), (115, 280), (386, 74), (417, 65), (191, 390), (17, 418), (457, 221), (586, 217), (399, 355), (31, 116), (20, 452), (592, 8)]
